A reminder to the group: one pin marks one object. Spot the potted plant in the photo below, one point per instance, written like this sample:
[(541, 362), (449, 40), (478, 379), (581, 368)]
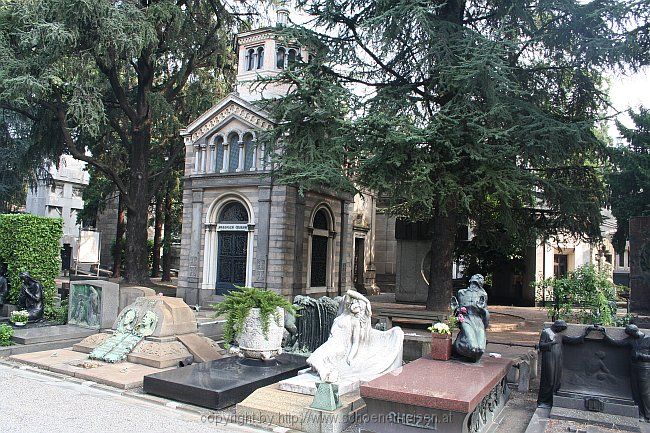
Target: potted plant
[(255, 321), (440, 341), (19, 318)]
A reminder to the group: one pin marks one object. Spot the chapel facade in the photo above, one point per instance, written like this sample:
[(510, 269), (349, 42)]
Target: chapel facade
[(240, 228)]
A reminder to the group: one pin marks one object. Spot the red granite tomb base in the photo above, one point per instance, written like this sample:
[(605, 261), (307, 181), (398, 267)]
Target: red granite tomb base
[(446, 396)]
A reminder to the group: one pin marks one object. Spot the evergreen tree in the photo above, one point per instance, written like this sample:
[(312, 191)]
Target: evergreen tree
[(112, 82), (461, 108), (630, 177)]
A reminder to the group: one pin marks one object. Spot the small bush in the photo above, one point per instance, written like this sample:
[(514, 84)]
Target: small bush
[(6, 332), (586, 295), (57, 314)]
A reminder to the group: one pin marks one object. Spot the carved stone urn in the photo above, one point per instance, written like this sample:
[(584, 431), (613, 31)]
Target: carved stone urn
[(440, 346), (254, 343)]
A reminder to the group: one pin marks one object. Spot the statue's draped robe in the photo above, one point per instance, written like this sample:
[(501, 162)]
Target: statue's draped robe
[(471, 339), (640, 373), (551, 367), (639, 370), (377, 352)]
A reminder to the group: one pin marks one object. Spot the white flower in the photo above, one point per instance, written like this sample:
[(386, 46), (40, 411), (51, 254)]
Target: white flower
[(440, 328)]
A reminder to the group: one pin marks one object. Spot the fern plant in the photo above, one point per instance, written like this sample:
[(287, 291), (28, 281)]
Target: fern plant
[(237, 304)]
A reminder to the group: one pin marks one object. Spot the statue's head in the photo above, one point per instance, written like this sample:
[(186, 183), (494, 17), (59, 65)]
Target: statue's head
[(633, 331), (357, 304), (3, 269), (25, 276), (559, 326), (477, 280)]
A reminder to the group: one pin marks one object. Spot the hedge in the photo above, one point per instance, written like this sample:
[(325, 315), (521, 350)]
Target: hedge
[(31, 243)]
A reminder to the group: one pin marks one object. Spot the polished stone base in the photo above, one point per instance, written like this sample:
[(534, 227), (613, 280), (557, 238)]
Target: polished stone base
[(33, 335), (221, 383), (446, 396)]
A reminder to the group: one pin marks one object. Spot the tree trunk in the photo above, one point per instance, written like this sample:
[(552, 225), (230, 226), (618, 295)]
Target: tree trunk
[(158, 226), (119, 238), (167, 240), (137, 254), (443, 242)]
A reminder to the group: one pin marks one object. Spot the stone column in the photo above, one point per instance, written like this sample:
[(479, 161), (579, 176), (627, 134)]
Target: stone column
[(197, 155), (213, 158), (254, 149), (240, 164), (209, 257), (192, 295), (226, 157), (263, 215), (298, 248), (346, 227), (262, 164), (203, 157)]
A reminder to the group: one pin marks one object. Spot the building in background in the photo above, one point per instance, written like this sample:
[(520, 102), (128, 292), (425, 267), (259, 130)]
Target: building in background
[(241, 229), (62, 197)]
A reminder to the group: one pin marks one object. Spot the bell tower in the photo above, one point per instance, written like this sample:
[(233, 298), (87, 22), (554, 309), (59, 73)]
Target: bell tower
[(262, 53)]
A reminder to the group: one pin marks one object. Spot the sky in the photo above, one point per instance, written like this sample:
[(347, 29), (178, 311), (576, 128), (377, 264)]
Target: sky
[(626, 92)]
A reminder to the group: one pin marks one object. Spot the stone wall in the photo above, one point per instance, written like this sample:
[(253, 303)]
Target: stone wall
[(385, 252), (106, 223), (640, 265)]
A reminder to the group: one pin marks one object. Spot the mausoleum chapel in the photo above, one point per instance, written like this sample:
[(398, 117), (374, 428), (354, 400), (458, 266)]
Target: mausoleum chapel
[(241, 229)]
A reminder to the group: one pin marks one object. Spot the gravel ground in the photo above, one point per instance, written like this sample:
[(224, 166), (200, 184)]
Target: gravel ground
[(36, 403)]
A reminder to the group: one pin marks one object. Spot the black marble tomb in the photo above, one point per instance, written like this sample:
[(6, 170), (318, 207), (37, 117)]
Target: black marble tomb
[(221, 383)]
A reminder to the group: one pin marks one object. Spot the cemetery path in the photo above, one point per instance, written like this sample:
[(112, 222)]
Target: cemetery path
[(31, 402)]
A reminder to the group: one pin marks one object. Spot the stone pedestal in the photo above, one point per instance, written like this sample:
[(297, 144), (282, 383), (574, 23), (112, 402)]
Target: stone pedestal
[(440, 347), (640, 265), (446, 396), (287, 410)]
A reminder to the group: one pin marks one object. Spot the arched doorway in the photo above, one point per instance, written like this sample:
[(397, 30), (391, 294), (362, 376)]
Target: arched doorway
[(232, 247), (320, 250)]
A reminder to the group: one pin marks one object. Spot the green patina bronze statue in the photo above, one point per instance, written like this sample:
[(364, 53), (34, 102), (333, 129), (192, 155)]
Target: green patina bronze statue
[(131, 329), (470, 308)]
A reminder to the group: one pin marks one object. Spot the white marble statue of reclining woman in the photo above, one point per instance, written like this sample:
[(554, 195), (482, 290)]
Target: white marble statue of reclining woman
[(354, 350)]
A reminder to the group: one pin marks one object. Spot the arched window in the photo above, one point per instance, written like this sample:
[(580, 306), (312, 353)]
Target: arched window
[(320, 220), (233, 144), (319, 262), (250, 64), (249, 149), (281, 54), (260, 57), (218, 144), (233, 212), (291, 57)]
